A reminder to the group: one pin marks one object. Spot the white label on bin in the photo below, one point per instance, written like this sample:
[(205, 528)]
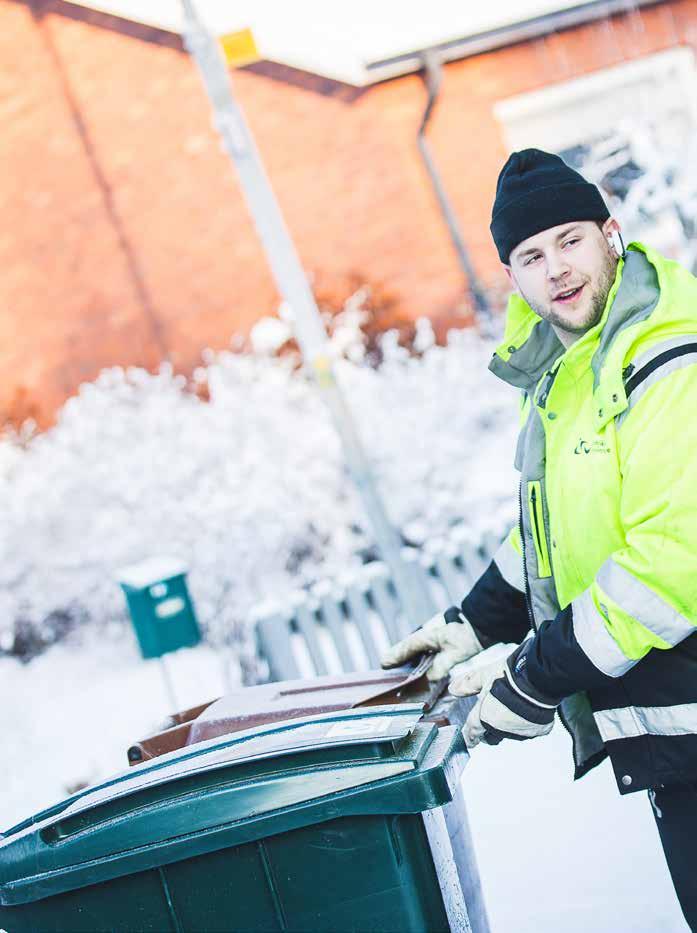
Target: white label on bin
[(359, 727), (169, 607)]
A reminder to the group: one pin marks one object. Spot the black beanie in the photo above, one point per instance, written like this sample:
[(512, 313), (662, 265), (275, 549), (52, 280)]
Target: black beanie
[(535, 191)]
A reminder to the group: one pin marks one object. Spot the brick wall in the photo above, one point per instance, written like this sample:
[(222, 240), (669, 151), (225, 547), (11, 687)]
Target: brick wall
[(125, 239)]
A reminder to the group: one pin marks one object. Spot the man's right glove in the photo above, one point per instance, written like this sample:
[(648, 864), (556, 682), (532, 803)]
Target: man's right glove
[(448, 634), (509, 706)]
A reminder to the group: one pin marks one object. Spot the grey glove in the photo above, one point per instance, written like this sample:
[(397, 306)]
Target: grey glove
[(452, 641)]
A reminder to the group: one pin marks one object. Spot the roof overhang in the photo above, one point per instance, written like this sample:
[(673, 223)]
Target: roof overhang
[(372, 40), (465, 46)]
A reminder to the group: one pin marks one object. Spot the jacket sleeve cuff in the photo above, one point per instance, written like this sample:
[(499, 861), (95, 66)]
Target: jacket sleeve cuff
[(556, 663), (496, 610)]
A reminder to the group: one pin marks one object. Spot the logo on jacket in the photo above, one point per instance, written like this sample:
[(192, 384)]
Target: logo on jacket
[(591, 447)]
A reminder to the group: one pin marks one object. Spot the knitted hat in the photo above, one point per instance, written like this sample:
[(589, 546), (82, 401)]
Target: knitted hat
[(535, 191)]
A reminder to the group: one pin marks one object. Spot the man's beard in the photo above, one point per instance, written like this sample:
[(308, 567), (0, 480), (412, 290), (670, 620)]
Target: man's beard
[(597, 304)]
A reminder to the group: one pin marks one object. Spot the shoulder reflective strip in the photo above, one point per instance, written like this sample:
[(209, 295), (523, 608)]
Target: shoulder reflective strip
[(658, 349), (595, 640), (659, 354), (630, 722), (640, 602), (662, 364), (510, 565)]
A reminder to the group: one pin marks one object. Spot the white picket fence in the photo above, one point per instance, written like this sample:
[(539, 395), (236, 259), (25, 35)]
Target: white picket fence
[(342, 626)]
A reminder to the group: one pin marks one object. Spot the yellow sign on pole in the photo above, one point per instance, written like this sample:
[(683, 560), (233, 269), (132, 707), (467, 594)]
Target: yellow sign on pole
[(240, 48)]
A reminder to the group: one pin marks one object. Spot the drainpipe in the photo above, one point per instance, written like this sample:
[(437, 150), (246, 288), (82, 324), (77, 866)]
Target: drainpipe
[(432, 74)]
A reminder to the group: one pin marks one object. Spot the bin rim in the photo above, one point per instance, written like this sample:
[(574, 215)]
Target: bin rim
[(162, 763), (34, 868)]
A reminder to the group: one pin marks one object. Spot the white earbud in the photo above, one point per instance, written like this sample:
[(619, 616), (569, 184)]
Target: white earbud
[(615, 241)]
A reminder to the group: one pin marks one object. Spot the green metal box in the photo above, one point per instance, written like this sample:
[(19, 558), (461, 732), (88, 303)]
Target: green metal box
[(160, 606), (341, 821)]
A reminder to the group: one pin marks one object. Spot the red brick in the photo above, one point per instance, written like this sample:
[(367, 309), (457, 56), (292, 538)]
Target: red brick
[(126, 235)]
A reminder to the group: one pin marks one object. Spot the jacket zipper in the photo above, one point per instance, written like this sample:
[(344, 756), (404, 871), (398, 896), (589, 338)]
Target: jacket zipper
[(528, 606), (528, 597)]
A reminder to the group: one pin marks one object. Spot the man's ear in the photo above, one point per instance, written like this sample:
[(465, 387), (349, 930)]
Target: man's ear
[(509, 273), (611, 226)]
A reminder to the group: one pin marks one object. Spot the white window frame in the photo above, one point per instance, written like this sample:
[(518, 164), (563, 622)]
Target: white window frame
[(570, 113)]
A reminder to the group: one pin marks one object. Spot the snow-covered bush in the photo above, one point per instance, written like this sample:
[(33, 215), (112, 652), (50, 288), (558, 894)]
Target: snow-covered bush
[(247, 487)]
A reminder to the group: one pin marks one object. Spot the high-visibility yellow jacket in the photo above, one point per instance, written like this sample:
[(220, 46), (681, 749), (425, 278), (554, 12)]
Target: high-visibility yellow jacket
[(606, 547)]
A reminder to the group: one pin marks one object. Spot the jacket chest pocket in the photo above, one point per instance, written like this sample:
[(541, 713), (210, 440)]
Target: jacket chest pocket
[(537, 527), (583, 489)]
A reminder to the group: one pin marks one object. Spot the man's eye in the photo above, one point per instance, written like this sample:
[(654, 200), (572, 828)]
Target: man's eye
[(531, 259), (571, 242)]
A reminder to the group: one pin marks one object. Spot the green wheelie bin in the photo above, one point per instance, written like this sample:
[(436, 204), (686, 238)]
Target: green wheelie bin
[(344, 820)]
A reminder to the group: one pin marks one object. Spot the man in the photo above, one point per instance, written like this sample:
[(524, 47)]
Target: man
[(602, 567)]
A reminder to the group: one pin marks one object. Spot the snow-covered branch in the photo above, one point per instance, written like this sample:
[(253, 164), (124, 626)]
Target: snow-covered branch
[(248, 488)]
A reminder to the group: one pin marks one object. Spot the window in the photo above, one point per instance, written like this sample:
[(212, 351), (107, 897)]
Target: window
[(631, 129)]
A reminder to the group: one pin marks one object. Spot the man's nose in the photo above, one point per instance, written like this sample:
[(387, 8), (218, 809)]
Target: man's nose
[(557, 266)]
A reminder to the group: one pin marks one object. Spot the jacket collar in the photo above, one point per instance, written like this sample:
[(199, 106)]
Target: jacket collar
[(530, 347)]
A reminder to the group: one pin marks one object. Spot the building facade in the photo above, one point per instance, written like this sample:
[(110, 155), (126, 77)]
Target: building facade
[(125, 238)]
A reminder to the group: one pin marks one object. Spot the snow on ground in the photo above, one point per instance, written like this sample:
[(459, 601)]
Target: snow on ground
[(70, 715), (558, 856)]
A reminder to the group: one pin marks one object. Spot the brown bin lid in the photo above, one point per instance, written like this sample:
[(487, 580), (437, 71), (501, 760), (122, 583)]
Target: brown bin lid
[(290, 699)]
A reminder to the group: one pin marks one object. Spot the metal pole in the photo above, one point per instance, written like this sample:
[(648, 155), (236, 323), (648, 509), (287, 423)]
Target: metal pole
[(169, 685), (293, 285), (432, 75)]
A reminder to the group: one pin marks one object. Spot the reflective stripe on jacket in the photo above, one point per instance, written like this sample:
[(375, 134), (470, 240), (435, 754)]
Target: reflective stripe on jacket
[(608, 519)]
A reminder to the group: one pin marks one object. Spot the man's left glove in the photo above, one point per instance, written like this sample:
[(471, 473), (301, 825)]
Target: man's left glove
[(448, 634), (509, 707)]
